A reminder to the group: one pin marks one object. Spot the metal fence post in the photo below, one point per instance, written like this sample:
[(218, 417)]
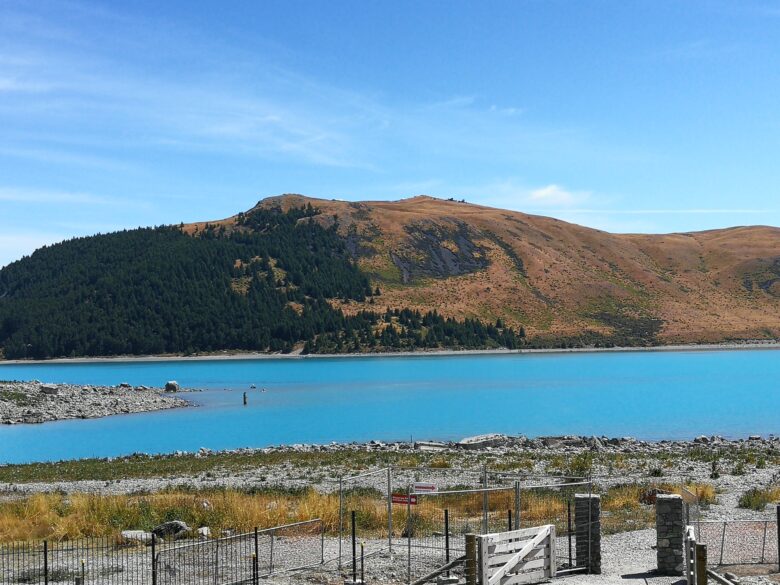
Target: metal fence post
[(154, 560), (322, 543), (256, 557), (409, 534), (447, 536), (354, 550), (484, 500), (763, 542), (46, 562), (216, 562), (271, 557), (517, 505), (778, 536), (568, 523), (722, 542), (390, 508), (341, 516)]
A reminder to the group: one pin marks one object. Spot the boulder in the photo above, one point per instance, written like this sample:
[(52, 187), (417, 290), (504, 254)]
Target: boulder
[(49, 389), (171, 386), (204, 532), (125, 385), (172, 529), (430, 445), (482, 441)]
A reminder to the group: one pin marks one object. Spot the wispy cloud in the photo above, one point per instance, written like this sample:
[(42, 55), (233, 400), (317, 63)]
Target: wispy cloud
[(557, 196), (37, 196), (702, 211)]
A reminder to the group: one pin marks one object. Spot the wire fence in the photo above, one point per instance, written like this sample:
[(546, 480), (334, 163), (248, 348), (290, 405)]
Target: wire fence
[(739, 542), (89, 560), (437, 522), (242, 558)]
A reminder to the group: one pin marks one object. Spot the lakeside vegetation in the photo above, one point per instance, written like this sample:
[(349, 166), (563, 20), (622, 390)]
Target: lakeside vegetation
[(351, 460), (66, 517)]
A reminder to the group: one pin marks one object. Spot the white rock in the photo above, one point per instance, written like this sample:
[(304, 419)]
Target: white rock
[(137, 535)]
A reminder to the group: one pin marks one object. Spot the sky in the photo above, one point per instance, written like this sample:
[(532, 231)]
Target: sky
[(644, 116)]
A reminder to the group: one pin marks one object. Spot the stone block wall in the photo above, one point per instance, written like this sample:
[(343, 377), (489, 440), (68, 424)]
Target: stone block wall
[(670, 529), (587, 517)]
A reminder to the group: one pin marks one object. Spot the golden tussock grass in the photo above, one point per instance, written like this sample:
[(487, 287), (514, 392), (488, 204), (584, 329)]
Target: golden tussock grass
[(57, 516)]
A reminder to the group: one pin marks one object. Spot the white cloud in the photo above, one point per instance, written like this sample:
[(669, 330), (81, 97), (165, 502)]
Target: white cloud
[(17, 195), (557, 196)]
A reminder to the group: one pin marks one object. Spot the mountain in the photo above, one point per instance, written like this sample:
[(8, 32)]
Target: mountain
[(324, 275)]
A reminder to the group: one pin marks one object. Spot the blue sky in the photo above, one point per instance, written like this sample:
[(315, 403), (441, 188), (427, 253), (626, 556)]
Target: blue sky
[(646, 116)]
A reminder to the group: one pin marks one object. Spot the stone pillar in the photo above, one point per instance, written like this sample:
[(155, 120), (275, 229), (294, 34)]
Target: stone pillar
[(670, 529), (587, 518)]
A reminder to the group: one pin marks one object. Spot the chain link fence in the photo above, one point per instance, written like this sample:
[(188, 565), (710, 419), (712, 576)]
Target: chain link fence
[(739, 542)]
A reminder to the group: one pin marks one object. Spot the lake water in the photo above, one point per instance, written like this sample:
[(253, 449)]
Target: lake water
[(650, 395)]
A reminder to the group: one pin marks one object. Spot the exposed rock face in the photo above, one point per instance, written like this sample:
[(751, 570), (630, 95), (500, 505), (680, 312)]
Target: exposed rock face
[(34, 402), (439, 251)]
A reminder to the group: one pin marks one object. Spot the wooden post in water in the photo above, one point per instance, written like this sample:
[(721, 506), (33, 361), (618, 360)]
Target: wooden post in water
[(244, 398)]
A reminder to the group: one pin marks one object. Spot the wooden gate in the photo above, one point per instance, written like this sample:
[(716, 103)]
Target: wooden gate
[(516, 557)]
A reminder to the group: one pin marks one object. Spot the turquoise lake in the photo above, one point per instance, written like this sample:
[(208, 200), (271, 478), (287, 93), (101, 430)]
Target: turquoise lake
[(649, 395)]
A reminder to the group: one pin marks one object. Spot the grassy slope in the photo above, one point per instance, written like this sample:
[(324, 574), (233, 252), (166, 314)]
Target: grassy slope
[(557, 278)]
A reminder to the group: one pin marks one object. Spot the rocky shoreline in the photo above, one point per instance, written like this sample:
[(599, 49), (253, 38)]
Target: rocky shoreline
[(730, 465), (38, 402)]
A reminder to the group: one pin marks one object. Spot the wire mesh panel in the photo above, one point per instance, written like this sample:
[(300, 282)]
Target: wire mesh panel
[(436, 524), (739, 542), (25, 561), (91, 560), (297, 546), (368, 495), (554, 504), (242, 558), (223, 560)]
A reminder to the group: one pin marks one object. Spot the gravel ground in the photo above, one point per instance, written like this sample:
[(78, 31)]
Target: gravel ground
[(627, 557)]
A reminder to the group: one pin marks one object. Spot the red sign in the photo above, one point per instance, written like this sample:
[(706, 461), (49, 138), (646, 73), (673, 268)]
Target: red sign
[(424, 487), (405, 499)]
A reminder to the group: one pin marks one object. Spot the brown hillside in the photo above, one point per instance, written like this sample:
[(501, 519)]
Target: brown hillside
[(556, 278)]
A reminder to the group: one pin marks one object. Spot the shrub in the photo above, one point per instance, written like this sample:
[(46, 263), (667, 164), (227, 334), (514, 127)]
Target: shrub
[(758, 498)]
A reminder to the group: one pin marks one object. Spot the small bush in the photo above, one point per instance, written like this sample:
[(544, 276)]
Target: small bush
[(758, 498)]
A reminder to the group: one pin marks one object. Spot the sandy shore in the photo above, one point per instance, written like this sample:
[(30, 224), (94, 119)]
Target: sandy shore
[(753, 345)]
